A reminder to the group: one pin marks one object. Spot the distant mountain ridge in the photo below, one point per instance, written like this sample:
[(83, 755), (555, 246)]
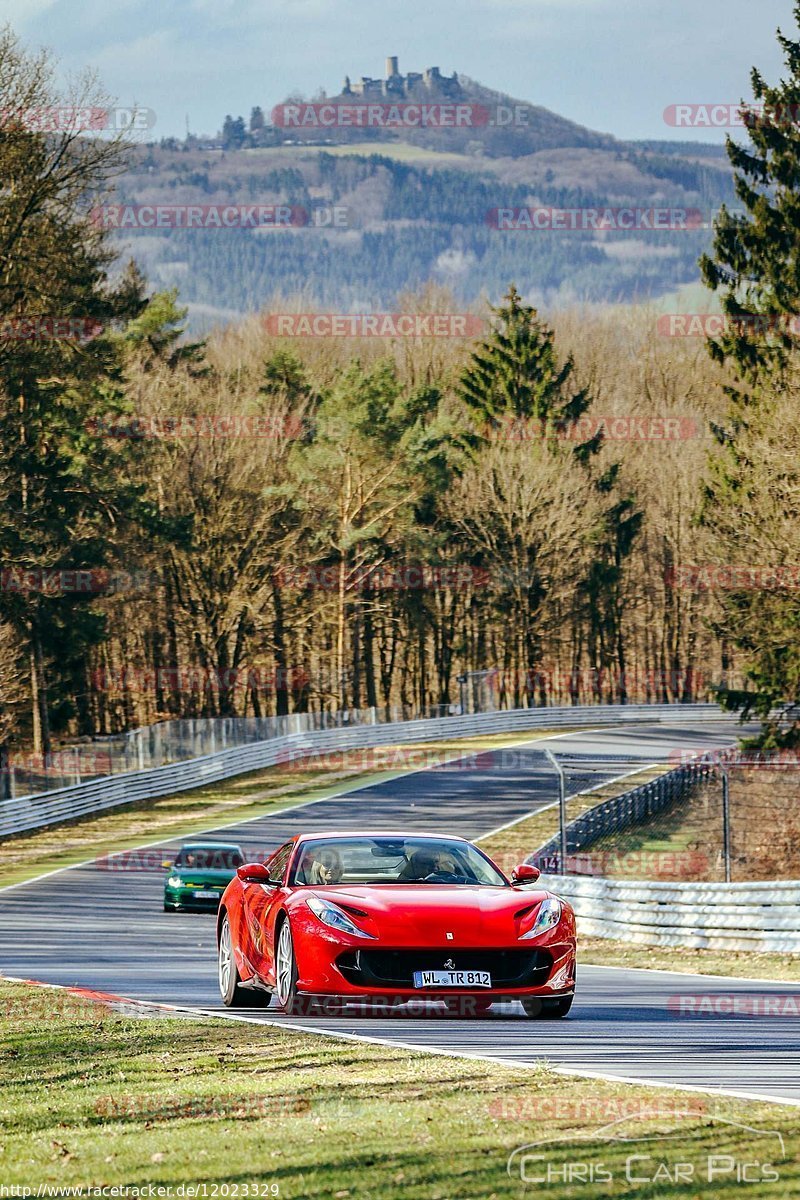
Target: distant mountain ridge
[(417, 202), (527, 129)]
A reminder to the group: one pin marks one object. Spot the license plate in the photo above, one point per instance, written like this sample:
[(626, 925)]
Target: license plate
[(207, 895), (459, 979)]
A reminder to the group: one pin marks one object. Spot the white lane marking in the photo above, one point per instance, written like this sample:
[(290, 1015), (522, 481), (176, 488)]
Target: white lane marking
[(554, 803), (416, 1048), (388, 777)]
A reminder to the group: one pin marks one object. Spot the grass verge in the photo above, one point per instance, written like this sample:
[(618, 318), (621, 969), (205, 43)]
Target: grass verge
[(92, 1098), (512, 845), (608, 952)]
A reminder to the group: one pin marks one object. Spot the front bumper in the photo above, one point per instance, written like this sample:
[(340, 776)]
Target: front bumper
[(180, 898), (330, 964), (381, 969)]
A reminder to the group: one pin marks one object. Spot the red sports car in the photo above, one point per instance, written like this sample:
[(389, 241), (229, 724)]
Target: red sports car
[(384, 918)]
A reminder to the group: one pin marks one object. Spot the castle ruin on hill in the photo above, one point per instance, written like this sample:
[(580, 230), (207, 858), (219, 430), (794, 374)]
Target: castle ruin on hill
[(399, 86)]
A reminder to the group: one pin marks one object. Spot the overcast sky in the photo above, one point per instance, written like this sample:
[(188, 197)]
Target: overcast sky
[(613, 65)]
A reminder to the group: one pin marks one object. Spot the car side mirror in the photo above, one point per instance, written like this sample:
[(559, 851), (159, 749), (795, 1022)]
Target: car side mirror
[(167, 864), (525, 873), (255, 873)]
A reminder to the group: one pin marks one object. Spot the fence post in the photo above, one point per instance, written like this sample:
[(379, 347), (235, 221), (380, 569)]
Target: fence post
[(726, 825), (562, 813)]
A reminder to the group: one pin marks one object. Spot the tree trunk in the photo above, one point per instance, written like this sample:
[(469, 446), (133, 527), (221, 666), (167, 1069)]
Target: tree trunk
[(41, 721), (281, 665)]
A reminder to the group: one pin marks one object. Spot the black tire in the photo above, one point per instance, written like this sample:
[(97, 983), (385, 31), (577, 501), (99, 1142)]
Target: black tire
[(289, 998), (547, 1010), (233, 994)]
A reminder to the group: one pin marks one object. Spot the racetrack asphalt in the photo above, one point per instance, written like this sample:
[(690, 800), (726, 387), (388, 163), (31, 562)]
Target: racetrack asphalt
[(103, 929)]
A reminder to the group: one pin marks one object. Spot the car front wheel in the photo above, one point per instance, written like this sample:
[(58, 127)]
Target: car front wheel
[(286, 972), (543, 1009)]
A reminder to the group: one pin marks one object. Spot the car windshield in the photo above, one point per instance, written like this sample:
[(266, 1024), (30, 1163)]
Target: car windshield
[(393, 860), (209, 858)]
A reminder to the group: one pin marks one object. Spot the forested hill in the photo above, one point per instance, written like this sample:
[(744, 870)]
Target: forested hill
[(410, 215), (496, 126)]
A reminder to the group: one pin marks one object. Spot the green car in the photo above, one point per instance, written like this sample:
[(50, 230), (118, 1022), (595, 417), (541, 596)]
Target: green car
[(199, 875)]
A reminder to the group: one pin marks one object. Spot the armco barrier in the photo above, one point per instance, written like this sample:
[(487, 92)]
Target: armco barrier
[(623, 811), (762, 917), (34, 812)]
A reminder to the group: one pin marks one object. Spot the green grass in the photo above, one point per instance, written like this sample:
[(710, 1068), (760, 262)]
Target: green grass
[(607, 952), (88, 1097)]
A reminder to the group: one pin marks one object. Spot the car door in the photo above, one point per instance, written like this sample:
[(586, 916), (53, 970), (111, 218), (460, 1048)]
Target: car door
[(260, 903)]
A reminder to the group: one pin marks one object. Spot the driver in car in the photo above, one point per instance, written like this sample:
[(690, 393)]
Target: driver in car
[(326, 868), (445, 869)]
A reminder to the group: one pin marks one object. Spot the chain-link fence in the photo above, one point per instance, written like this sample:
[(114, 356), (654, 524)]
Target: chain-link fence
[(724, 816), (179, 740)]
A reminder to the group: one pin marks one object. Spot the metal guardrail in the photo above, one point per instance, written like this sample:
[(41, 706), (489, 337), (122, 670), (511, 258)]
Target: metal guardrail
[(621, 813), (176, 740), (26, 813), (761, 917)]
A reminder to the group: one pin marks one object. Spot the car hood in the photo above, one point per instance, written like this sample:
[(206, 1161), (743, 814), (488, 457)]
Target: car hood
[(425, 915)]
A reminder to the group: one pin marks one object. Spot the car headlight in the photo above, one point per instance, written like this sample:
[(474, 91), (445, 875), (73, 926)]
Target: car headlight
[(331, 914), (548, 916), (174, 881)]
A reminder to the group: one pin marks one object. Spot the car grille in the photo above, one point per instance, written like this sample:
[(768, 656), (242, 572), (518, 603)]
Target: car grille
[(386, 968)]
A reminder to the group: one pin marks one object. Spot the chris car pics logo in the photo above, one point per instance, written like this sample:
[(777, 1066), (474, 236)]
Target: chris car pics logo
[(737, 1154)]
